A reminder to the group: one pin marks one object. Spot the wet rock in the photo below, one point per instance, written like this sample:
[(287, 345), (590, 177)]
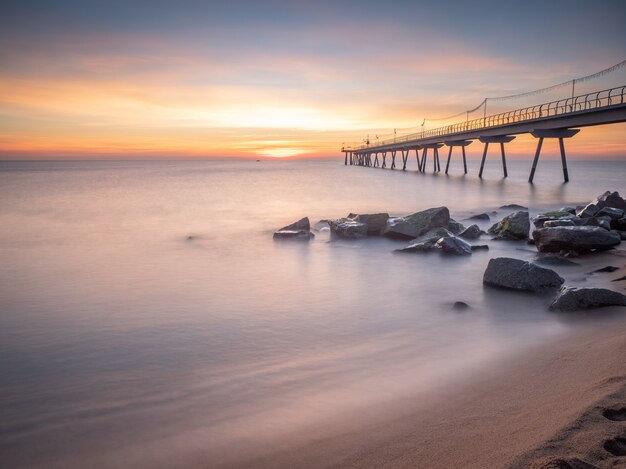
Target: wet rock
[(294, 234), (515, 274), (607, 269), (602, 222), (347, 228), (543, 218), (480, 247), (302, 224), (426, 245), (588, 211), (480, 216), (375, 221), (460, 305), (471, 232), (437, 233), (611, 212), (455, 227), (619, 279), (610, 199), (571, 210), (572, 299), (300, 230), (574, 238), (562, 222), (555, 260), (415, 225), (454, 246), (513, 207), (514, 226), (619, 224)]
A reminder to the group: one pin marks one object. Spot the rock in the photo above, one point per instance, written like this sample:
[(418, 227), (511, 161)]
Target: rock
[(619, 279), (421, 246), (588, 211), (561, 463), (622, 235), (610, 199), (455, 227), (555, 260), (302, 224), (437, 233), (602, 222), (300, 230), (572, 299), (454, 245), (611, 212), (480, 216), (294, 234), (514, 207), (574, 238), (480, 247), (520, 275), (619, 224), (415, 225), (375, 221), (607, 269), (571, 210), (540, 220), (460, 305), (514, 226), (562, 222), (471, 232), (347, 228)]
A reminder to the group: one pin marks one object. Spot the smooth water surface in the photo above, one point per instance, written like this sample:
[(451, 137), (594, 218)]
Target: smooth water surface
[(147, 318)]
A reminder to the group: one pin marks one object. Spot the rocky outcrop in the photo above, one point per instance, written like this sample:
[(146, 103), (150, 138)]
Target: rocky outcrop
[(420, 246), (453, 245), (610, 199), (417, 224), (572, 299), (455, 227), (375, 222), (300, 230), (347, 228), (575, 238), (471, 232), (480, 216), (540, 220), (515, 226), (515, 274)]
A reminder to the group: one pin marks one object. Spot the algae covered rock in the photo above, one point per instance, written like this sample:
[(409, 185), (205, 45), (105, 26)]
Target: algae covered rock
[(514, 226), (417, 224)]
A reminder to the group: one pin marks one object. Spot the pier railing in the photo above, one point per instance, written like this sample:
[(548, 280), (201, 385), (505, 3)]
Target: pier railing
[(585, 102)]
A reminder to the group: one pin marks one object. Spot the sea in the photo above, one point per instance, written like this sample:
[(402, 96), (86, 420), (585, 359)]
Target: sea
[(149, 319)]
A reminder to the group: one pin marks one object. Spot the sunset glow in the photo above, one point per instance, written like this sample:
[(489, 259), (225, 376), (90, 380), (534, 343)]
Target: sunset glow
[(78, 82)]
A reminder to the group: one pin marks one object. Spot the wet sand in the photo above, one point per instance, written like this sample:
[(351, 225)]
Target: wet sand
[(532, 410)]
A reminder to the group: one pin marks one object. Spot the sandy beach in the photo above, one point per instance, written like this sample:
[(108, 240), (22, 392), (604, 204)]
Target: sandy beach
[(536, 410)]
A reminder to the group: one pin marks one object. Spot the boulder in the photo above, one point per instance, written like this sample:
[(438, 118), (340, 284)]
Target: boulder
[(610, 199), (460, 305), (611, 212), (347, 228), (437, 233), (619, 224), (294, 234), (574, 238), (421, 246), (480, 247), (571, 210), (375, 221), (471, 232), (602, 222), (588, 211), (302, 224), (513, 226), (455, 227), (454, 245), (572, 299), (513, 207), (480, 216), (555, 260), (415, 225), (605, 270), (562, 222), (540, 220), (516, 274), (300, 230)]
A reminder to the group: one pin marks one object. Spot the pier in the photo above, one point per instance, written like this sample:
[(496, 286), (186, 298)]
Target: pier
[(560, 120)]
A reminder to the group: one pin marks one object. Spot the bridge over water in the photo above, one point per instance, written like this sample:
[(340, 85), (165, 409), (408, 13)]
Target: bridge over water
[(556, 119)]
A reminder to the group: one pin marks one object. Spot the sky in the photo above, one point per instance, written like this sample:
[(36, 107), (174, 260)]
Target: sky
[(135, 79)]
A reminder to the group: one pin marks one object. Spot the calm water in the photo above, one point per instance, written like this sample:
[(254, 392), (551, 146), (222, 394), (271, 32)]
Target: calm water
[(125, 344)]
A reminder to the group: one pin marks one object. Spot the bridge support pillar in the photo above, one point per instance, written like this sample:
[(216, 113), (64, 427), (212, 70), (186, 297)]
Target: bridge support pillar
[(376, 160), (457, 143), (501, 139), (384, 160), (436, 163), (393, 159), (417, 157), (405, 157), (551, 133)]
